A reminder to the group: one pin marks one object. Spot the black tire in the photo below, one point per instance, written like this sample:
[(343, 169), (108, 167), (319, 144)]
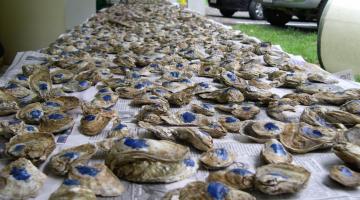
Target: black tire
[(227, 12), (276, 17), (256, 10)]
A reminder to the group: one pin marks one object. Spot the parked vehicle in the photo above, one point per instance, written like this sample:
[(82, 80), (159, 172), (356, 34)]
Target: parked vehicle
[(280, 12), (229, 7)]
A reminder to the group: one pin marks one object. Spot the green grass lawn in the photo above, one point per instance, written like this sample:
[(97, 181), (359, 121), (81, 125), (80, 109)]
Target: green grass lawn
[(292, 40)]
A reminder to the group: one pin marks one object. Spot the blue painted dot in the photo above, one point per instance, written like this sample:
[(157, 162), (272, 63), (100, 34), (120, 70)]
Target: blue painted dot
[(86, 170), (271, 127), (311, 132), (119, 127), (11, 86), (30, 128), (230, 120), (36, 114), (153, 65), (207, 105), (279, 175), (217, 191), (103, 90), (222, 154), (188, 117), (241, 171), (135, 75), (71, 155), (84, 83), (246, 108), (189, 162), (20, 174), (175, 74), (15, 121), (71, 182), (231, 76), (204, 85), (19, 147), (185, 80), (59, 76), (43, 86), (179, 65), (107, 98), (153, 97), (135, 143), (22, 77), (52, 104), (139, 86), (346, 171), (56, 116), (90, 117), (278, 149)]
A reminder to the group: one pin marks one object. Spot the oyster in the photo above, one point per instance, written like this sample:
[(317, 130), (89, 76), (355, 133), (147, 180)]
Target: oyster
[(238, 178), (353, 135), (321, 78), (163, 133), (18, 91), (197, 138), (228, 95), (71, 189), (40, 83), (339, 116), (352, 106), (204, 108), (56, 122), (21, 79), (276, 58), (252, 93), (8, 104), (203, 87), (232, 80), (94, 120), (147, 160), (211, 190), (10, 128), (129, 92), (302, 98), (209, 71), (21, 180), (183, 118), (230, 123), (181, 98), (274, 152), (312, 88), (61, 76), (213, 128), (61, 162), (337, 98), (105, 100), (98, 178), (31, 68), (349, 153), (217, 158), (119, 130), (67, 102), (345, 176), (36, 147), (262, 131), (294, 80), (303, 138), (242, 112), (281, 178), (147, 100), (260, 84), (31, 113), (76, 86), (152, 113), (283, 110)]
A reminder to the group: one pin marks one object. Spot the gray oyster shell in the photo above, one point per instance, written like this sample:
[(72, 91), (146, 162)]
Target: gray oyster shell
[(98, 178), (213, 128), (61, 76), (227, 95), (31, 114), (197, 138), (349, 153), (76, 86), (203, 88), (21, 79), (353, 135), (41, 83), (217, 158), (119, 130), (337, 98), (56, 122), (94, 120), (345, 176), (10, 128), (230, 123), (8, 104), (302, 98), (232, 80), (36, 146), (183, 118), (71, 189), (163, 133), (274, 152), (204, 108), (61, 162), (239, 178), (22, 180), (352, 106), (321, 78), (275, 179), (262, 131), (243, 112), (182, 97), (312, 88), (105, 100), (152, 113), (283, 110)]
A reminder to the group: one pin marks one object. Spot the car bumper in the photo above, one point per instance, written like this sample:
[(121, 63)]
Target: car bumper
[(238, 5), (300, 4)]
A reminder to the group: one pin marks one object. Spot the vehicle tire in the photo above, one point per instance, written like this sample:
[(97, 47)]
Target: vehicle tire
[(256, 10), (276, 17), (227, 12)]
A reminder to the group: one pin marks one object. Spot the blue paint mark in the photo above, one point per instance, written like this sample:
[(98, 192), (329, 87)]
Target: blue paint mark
[(14, 121), (135, 75), (22, 77), (71, 182), (89, 117), (207, 105), (30, 128), (175, 74), (84, 83), (43, 86), (271, 127), (279, 175), (19, 147), (52, 104), (231, 76), (86, 170), (107, 98), (241, 171), (139, 86), (189, 162), (59, 76), (246, 108), (11, 86), (230, 120), (36, 114), (153, 65), (311, 132), (278, 149), (204, 85), (71, 155), (153, 97), (185, 80), (346, 171), (119, 127), (179, 65), (103, 90), (207, 69), (222, 153), (20, 174), (217, 191), (56, 116), (188, 117), (135, 143)]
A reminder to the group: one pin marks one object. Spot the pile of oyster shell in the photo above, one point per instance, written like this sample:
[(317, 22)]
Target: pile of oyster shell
[(193, 82)]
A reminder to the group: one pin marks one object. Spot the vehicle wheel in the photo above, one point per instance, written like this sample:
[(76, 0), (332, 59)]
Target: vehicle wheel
[(276, 17), (256, 10), (321, 9), (227, 12)]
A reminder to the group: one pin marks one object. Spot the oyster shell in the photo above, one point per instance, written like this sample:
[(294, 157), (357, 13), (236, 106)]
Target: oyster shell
[(18, 91), (61, 76), (98, 178), (211, 190), (227, 95), (232, 80), (71, 189), (152, 113), (163, 133), (353, 135), (262, 131), (312, 88), (239, 178), (339, 116), (276, 58), (183, 118), (321, 78), (8, 104), (31, 113), (21, 79), (213, 128), (67, 102), (217, 158), (345, 176), (10, 128), (283, 110), (274, 152), (252, 93), (21, 180), (119, 130), (147, 100), (302, 98), (105, 100), (281, 178), (337, 98), (56, 122), (181, 98), (349, 153), (94, 120), (76, 86), (61, 162), (36, 147), (352, 106), (203, 87), (204, 108), (40, 83), (31, 68), (197, 138), (230, 123)]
